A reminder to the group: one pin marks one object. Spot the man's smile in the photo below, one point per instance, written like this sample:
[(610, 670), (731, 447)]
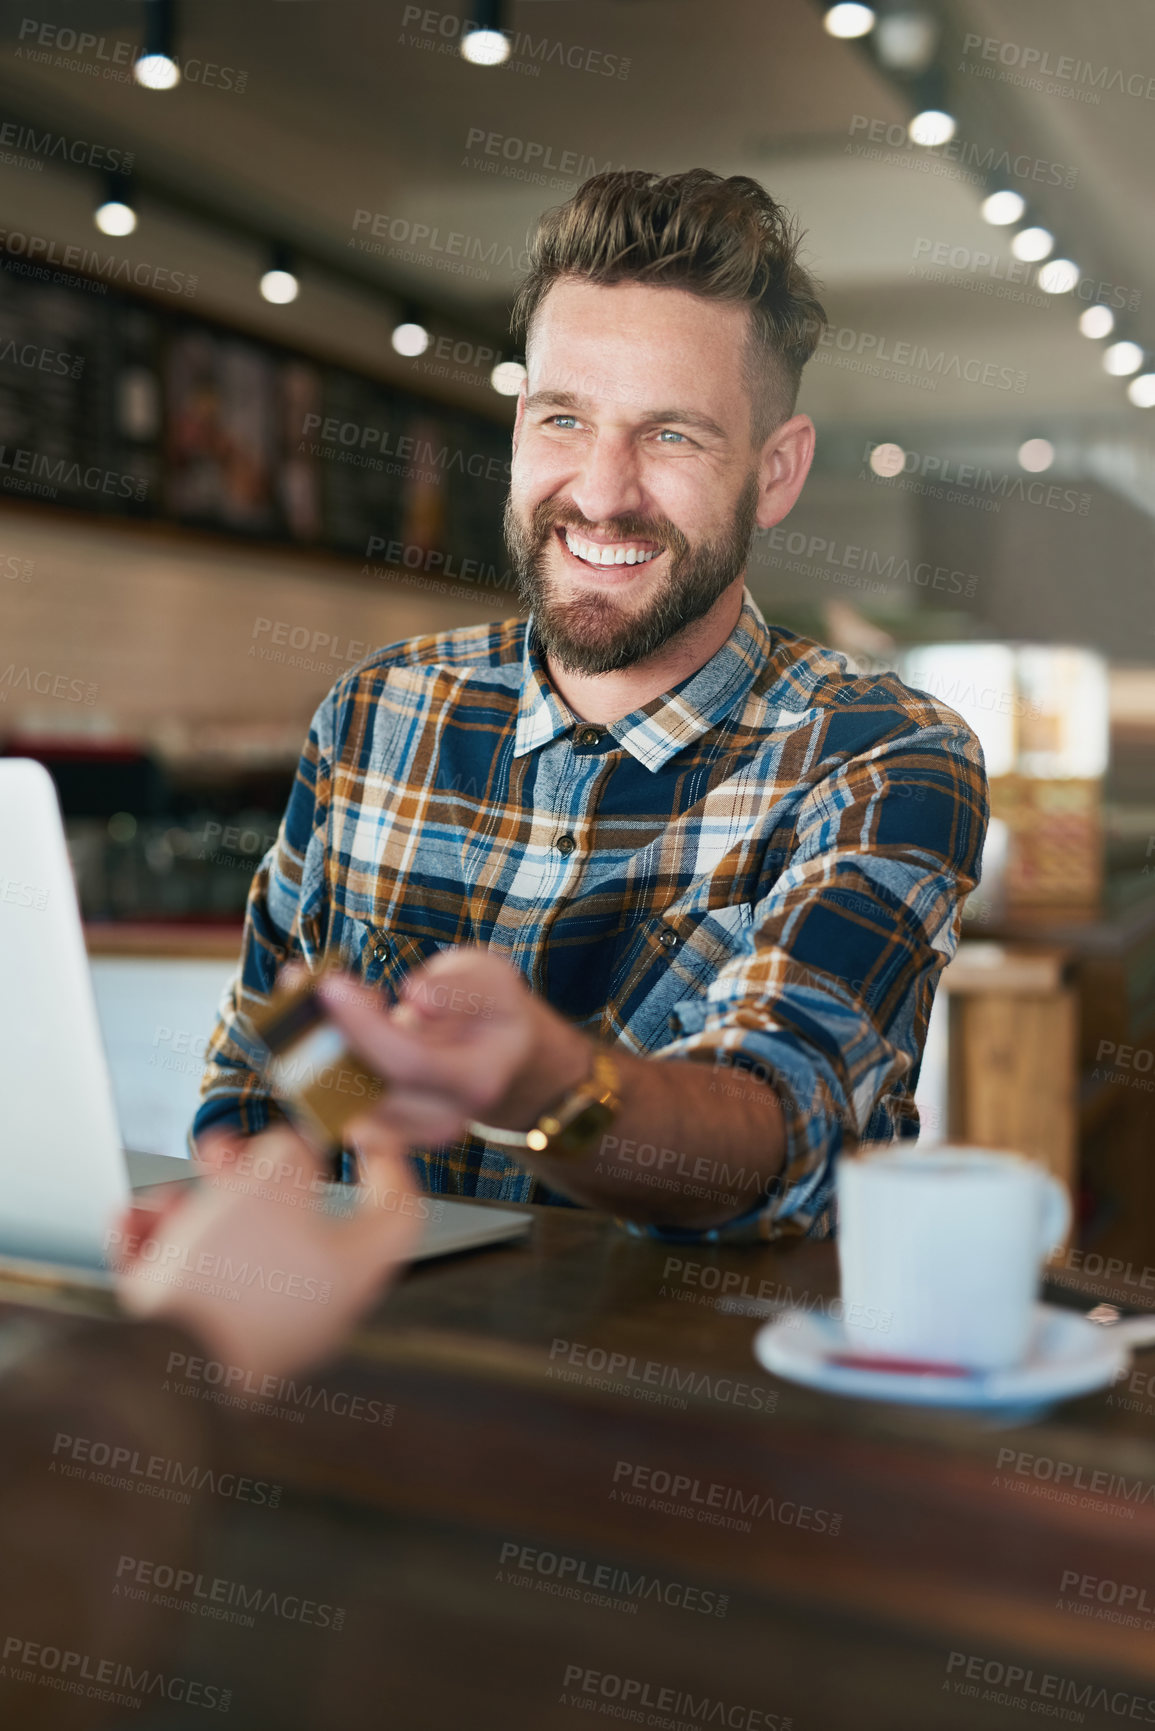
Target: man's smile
[(601, 554)]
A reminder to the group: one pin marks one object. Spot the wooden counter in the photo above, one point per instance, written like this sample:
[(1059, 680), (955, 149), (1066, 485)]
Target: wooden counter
[(581, 1399)]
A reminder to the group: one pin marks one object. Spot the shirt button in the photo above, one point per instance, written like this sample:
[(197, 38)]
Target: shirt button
[(589, 736), (668, 939), (565, 844), (380, 951)]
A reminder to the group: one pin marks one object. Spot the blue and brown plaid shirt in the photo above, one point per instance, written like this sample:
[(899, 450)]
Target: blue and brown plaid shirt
[(761, 869)]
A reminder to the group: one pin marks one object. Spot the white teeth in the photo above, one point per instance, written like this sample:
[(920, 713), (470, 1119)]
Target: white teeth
[(595, 553)]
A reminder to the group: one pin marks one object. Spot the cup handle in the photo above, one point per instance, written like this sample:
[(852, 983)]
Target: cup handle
[(1056, 1214)]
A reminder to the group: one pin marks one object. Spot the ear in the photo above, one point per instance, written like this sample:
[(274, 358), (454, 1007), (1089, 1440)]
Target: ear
[(783, 466)]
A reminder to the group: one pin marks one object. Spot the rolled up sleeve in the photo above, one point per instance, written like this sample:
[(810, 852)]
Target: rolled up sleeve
[(285, 918), (829, 996)]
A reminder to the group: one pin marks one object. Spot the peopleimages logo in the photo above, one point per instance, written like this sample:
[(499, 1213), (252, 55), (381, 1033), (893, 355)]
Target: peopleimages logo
[(716, 1504), (68, 1671), (404, 557), (598, 1583), (1037, 64), (1010, 1685), (235, 1386), (348, 440), (1107, 1601), (985, 161), (978, 260), (454, 251), (1071, 1482), (567, 166), (42, 360), (104, 57), (888, 568), (18, 244), (153, 1475), (440, 31), (945, 478), (77, 150), (217, 1597), (910, 363), (649, 1379), (582, 1687)]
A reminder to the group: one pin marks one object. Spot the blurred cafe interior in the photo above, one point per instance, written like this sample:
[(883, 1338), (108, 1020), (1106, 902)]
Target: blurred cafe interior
[(257, 388)]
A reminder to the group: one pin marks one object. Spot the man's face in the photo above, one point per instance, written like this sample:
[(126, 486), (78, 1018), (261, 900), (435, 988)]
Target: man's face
[(634, 481)]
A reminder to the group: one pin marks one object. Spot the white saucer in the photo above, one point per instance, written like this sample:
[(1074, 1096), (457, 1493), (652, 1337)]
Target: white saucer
[(1068, 1356)]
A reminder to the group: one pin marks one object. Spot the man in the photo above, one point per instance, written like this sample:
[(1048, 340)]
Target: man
[(659, 895)]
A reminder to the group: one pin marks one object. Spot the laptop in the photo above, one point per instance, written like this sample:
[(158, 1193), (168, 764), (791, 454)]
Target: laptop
[(64, 1174)]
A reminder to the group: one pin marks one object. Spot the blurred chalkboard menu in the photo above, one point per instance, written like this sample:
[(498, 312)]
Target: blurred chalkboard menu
[(114, 405)]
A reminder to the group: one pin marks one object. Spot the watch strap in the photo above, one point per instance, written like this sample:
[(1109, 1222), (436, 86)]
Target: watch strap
[(578, 1119)]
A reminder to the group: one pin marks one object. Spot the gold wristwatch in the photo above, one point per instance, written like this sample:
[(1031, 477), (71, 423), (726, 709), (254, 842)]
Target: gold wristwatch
[(574, 1124)]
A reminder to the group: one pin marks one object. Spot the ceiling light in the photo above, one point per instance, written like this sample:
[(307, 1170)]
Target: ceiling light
[(156, 72), (1000, 208), (1142, 391), (482, 41), (114, 215), (1097, 321), (1032, 244), (906, 41), (280, 287), (507, 378), (1058, 276), (1121, 359), (848, 20), (887, 460), (279, 283), (156, 68), (932, 127), (1035, 455), (410, 339), (485, 47)]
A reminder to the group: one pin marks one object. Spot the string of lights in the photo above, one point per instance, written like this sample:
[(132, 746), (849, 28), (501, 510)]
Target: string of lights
[(157, 68), (904, 41)]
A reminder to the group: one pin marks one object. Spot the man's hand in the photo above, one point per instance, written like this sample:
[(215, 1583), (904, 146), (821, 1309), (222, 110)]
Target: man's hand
[(256, 1265), (467, 1039)]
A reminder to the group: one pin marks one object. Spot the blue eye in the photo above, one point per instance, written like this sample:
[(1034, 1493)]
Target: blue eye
[(556, 419), (668, 433)]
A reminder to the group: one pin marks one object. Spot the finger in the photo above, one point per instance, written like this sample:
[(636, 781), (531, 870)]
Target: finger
[(217, 1149), (388, 1212), (384, 1169), (142, 1221), (394, 1050), (279, 1161)]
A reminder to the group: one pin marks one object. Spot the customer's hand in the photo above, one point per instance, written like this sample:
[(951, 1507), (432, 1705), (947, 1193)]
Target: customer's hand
[(467, 1039), (253, 1262)]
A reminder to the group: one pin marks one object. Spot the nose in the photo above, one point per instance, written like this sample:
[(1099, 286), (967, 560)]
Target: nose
[(608, 483)]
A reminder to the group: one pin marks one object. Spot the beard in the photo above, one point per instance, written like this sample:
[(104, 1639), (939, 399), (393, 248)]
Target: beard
[(593, 633)]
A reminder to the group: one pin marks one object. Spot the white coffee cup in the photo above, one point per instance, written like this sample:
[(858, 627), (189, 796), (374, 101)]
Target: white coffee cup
[(941, 1252)]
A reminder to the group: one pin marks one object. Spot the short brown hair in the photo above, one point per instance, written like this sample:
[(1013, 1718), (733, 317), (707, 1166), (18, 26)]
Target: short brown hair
[(723, 238)]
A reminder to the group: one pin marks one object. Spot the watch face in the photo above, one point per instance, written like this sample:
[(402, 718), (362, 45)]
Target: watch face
[(591, 1122)]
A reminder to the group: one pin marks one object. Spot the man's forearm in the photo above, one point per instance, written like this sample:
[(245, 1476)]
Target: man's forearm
[(684, 1151)]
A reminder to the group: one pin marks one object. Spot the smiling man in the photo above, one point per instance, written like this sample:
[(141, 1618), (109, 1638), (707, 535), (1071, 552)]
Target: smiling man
[(644, 901)]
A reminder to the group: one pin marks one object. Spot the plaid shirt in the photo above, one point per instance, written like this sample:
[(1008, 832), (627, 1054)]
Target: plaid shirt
[(761, 869)]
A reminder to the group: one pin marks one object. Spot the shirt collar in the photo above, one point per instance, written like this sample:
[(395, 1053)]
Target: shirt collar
[(665, 725)]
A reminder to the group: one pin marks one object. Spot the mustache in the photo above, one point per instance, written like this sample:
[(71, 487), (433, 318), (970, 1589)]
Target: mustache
[(552, 514)]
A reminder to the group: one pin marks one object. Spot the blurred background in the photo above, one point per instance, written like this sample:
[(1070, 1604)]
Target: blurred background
[(256, 388)]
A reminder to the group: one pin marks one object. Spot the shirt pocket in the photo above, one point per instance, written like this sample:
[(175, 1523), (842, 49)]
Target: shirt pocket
[(383, 956), (676, 956)]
